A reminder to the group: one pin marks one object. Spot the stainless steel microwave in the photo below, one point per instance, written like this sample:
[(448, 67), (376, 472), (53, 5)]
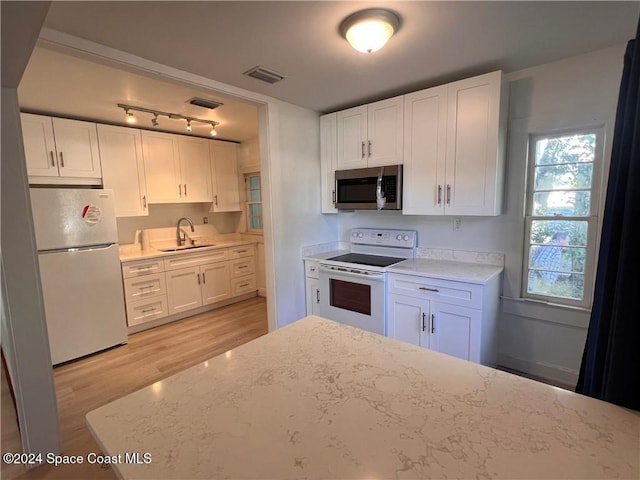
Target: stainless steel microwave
[(373, 188)]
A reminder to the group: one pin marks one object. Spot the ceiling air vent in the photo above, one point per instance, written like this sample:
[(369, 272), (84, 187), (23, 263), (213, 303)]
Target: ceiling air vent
[(263, 74), (204, 103)]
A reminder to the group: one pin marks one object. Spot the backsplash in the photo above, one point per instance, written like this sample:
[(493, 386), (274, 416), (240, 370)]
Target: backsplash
[(484, 258)]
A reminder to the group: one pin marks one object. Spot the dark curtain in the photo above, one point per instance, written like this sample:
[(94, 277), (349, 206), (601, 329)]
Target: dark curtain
[(610, 367)]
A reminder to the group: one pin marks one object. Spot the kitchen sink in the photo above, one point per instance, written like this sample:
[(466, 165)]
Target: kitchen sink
[(185, 247)]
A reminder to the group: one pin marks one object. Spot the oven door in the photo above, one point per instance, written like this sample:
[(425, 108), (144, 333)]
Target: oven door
[(353, 296)]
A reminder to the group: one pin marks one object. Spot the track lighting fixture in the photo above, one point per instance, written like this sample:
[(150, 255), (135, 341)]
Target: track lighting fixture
[(130, 117)]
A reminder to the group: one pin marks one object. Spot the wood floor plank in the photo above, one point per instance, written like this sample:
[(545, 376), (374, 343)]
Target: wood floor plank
[(88, 383)]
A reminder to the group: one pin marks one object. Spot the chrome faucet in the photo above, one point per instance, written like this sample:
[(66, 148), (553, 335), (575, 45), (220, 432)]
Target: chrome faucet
[(180, 238)]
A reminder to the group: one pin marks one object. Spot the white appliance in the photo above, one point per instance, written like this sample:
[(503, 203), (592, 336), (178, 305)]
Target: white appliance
[(353, 286), (80, 270)]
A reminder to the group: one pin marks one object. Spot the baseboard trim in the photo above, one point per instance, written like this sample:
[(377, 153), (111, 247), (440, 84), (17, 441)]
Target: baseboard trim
[(545, 372)]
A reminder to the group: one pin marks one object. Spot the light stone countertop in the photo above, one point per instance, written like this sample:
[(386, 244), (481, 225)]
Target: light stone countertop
[(448, 270), (318, 399), (325, 255), (128, 254)]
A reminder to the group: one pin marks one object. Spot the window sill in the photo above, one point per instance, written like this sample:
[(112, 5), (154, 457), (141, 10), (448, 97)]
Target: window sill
[(547, 312)]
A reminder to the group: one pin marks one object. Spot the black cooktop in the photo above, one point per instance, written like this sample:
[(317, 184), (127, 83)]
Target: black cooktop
[(364, 259)]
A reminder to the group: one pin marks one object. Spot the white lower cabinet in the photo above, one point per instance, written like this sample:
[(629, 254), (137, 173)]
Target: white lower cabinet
[(312, 286), (145, 291), (455, 318), (176, 286)]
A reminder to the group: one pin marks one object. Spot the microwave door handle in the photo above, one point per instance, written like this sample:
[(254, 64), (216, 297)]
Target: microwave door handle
[(380, 200)]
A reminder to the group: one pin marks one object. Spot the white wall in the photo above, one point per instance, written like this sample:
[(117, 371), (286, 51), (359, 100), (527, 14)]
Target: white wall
[(578, 91)]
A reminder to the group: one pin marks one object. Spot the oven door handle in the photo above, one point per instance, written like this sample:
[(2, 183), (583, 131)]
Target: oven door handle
[(374, 277)]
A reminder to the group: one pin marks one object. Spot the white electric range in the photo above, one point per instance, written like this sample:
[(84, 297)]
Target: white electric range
[(353, 286)]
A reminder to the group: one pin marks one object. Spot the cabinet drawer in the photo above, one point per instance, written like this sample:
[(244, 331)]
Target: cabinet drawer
[(142, 267), (144, 286), (243, 251), (456, 293), (146, 310), (243, 266), (311, 268), (181, 261), (243, 285)]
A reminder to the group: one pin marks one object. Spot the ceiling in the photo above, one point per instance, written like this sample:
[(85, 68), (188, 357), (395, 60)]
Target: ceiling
[(437, 42)]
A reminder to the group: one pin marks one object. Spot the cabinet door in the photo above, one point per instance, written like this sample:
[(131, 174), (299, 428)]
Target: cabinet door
[(195, 169), (352, 138), (216, 283), (454, 329), (183, 289), (39, 145), (313, 296), (224, 177), (328, 162), (408, 319), (474, 147), (77, 147), (123, 169), (385, 132), (161, 167), (425, 136)]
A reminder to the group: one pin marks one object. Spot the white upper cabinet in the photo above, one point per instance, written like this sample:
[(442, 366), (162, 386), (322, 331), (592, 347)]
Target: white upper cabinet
[(177, 168), (370, 135), (195, 169), (123, 169), (224, 176), (161, 167), (425, 118), (328, 162), (457, 169), (61, 151)]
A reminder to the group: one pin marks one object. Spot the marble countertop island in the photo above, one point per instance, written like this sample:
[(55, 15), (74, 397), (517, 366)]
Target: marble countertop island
[(318, 399)]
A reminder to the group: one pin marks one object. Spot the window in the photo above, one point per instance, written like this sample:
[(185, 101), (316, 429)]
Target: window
[(254, 202), (561, 216)]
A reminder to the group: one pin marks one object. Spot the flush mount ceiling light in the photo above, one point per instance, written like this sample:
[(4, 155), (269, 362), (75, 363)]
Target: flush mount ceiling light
[(130, 117), (369, 30)]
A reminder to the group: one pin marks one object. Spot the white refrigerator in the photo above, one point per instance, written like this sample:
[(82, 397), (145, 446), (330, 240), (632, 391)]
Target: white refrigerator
[(80, 270)]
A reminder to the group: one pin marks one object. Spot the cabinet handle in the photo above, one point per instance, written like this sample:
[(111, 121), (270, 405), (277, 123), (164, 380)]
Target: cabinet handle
[(312, 269), (369, 147), (428, 289), (61, 160), (317, 295), (439, 194), (448, 194), (185, 189), (53, 161), (333, 195), (243, 266), (433, 318), (204, 278), (424, 326), (147, 310), (180, 190), (241, 251), (244, 285), (198, 279), (362, 149), (215, 200), (144, 201)]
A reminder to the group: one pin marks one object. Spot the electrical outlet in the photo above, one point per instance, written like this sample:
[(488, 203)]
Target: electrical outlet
[(205, 220), (457, 223)]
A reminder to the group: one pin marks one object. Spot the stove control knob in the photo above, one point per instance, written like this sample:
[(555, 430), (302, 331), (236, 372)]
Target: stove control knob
[(398, 237), (405, 237), (354, 234), (360, 234)]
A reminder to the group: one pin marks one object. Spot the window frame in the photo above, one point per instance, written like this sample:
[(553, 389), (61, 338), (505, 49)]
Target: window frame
[(592, 218), (248, 202)]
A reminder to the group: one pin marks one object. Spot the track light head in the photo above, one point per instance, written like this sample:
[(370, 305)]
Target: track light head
[(213, 132), (131, 118), (188, 124), (154, 120)]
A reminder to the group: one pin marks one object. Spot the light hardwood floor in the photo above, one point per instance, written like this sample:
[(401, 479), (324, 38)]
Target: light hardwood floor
[(153, 355)]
